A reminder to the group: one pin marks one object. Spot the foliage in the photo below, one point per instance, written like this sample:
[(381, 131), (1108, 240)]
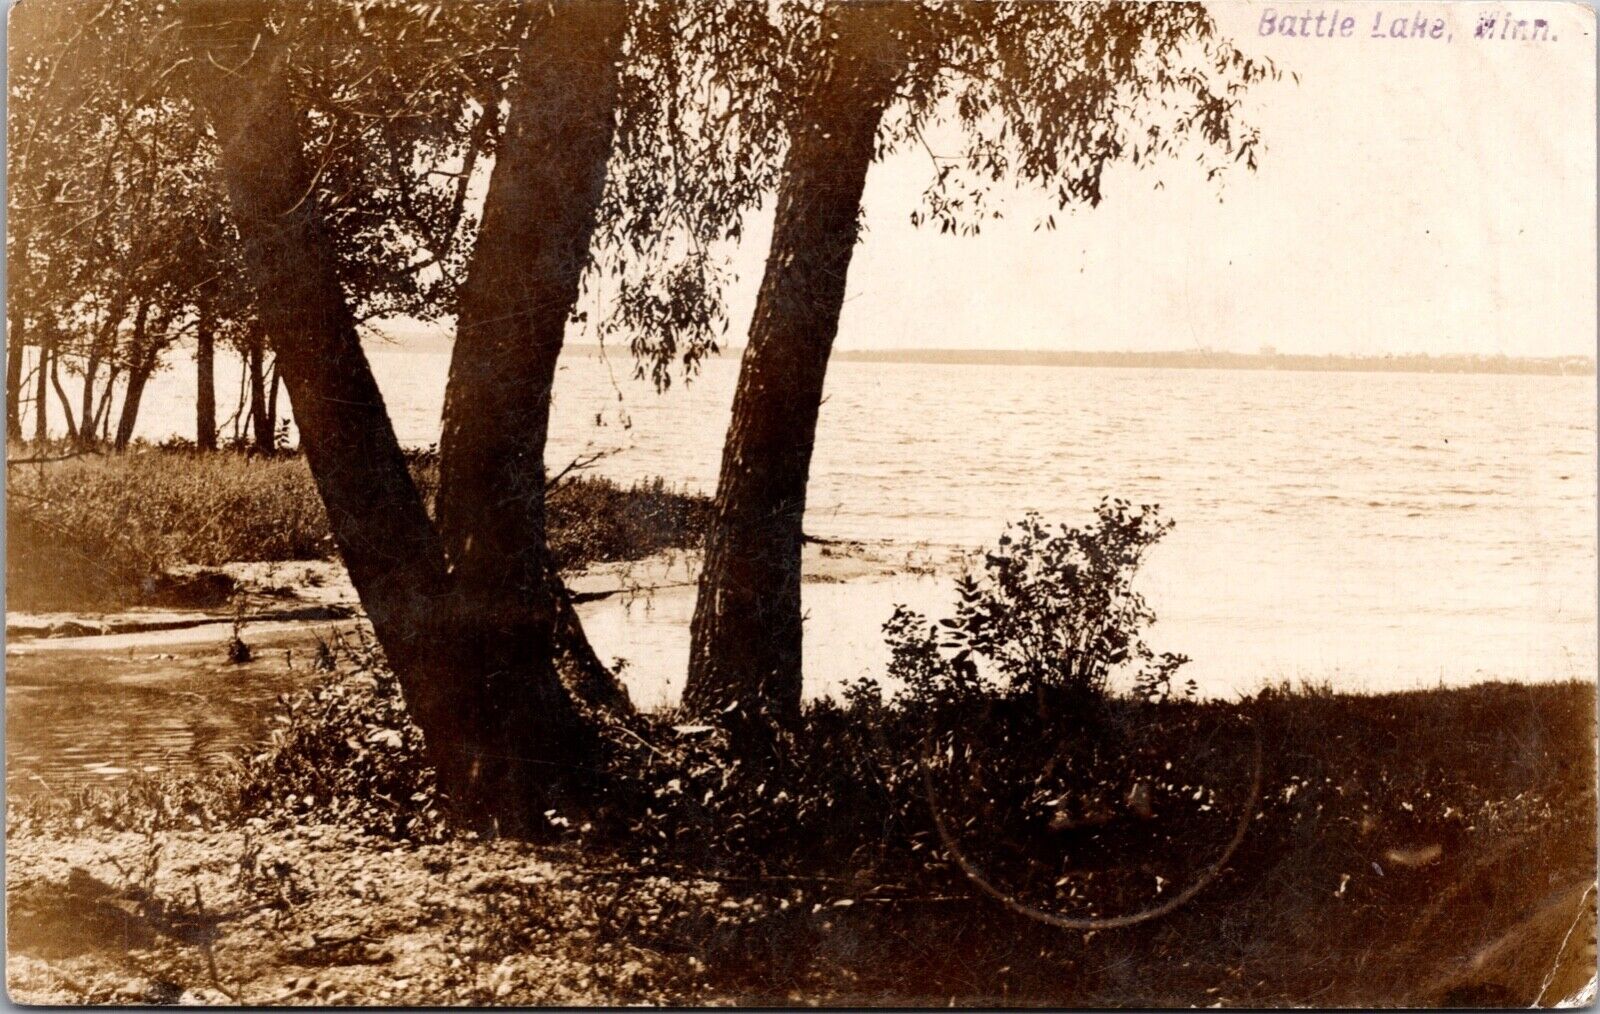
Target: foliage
[(404, 102), (102, 530), (115, 240), (345, 751), (1395, 836), (1043, 798), (1053, 612), (594, 520), (1049, 95), (696, 148), (1004, 717), (1039, 94), (405, 106)]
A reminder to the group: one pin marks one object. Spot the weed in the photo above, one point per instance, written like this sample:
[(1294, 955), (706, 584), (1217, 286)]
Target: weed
[(105, 531)]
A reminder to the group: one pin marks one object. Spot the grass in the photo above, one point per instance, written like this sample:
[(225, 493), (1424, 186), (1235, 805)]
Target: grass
[(1416, 848), (105, 531)]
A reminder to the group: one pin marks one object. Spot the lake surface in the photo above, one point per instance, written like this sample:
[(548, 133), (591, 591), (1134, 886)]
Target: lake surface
[(1370, 529)]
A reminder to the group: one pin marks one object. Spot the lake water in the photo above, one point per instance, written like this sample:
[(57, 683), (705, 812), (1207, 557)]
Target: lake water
[(1372, 530)]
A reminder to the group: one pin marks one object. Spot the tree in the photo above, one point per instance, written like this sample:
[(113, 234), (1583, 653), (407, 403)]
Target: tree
[(110, 182), (346, 137), (477, 667), (746, 629), (1046, 93), (208, 303), (522, 283), (470, 611), (45, 83)]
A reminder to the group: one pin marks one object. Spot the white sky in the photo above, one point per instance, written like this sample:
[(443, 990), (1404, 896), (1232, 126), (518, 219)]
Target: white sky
[(1412, 196)]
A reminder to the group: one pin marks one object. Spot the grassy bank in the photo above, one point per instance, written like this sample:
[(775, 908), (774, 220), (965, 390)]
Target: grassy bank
[(1413, 848), (102, 532)]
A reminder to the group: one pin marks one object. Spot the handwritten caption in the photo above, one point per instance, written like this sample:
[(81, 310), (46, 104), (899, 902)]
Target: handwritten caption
[(1369, 23)]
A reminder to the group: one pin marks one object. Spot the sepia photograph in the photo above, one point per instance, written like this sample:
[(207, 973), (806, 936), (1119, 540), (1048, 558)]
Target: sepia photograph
[(795, 503)]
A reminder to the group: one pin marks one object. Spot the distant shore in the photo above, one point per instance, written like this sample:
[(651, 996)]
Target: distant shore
[(1571, 366), (1560, 366), (425, 340)]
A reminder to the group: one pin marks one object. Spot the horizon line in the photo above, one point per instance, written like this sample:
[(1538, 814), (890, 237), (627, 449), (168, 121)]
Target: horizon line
[(419, 337)]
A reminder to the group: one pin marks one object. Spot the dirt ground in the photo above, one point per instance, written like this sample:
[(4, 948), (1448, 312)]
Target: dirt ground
[(325, 916), (319, 915)]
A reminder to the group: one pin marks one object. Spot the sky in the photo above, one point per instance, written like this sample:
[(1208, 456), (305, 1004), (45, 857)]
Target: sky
[(1413, 195)]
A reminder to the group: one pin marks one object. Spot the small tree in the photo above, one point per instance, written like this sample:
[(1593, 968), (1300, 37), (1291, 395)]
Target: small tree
[(1053, 614)]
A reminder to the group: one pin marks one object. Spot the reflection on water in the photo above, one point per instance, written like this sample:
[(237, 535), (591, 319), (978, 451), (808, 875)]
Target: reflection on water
[(78, 717)]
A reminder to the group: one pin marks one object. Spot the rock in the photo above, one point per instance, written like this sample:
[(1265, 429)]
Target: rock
[(335, 936), (76, 628)]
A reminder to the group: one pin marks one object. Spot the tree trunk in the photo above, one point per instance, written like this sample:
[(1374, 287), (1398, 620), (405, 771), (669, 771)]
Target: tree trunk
[(522, 283), (138, 374), (500, 729), (101, 345), (260, 422), (274, 381), (14, 353), (17, 263), (745, 638), (205, 367), (66, 403), (41, 396), (102, 415), (85, 436), (240, 403), (141, 361)]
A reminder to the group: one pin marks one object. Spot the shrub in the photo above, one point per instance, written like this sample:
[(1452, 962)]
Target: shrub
[(345, 751), (1053, 613), (978, 717), (1075, 817), (594, 520)]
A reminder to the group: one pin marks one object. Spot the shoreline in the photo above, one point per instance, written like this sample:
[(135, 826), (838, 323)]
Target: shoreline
[(95, 696), (1198, 359), (153, 676), (300, 592)]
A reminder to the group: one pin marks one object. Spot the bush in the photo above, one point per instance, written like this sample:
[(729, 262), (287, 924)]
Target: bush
[(1004, 725), (345, 751), (593, 520), (1053, 614)]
